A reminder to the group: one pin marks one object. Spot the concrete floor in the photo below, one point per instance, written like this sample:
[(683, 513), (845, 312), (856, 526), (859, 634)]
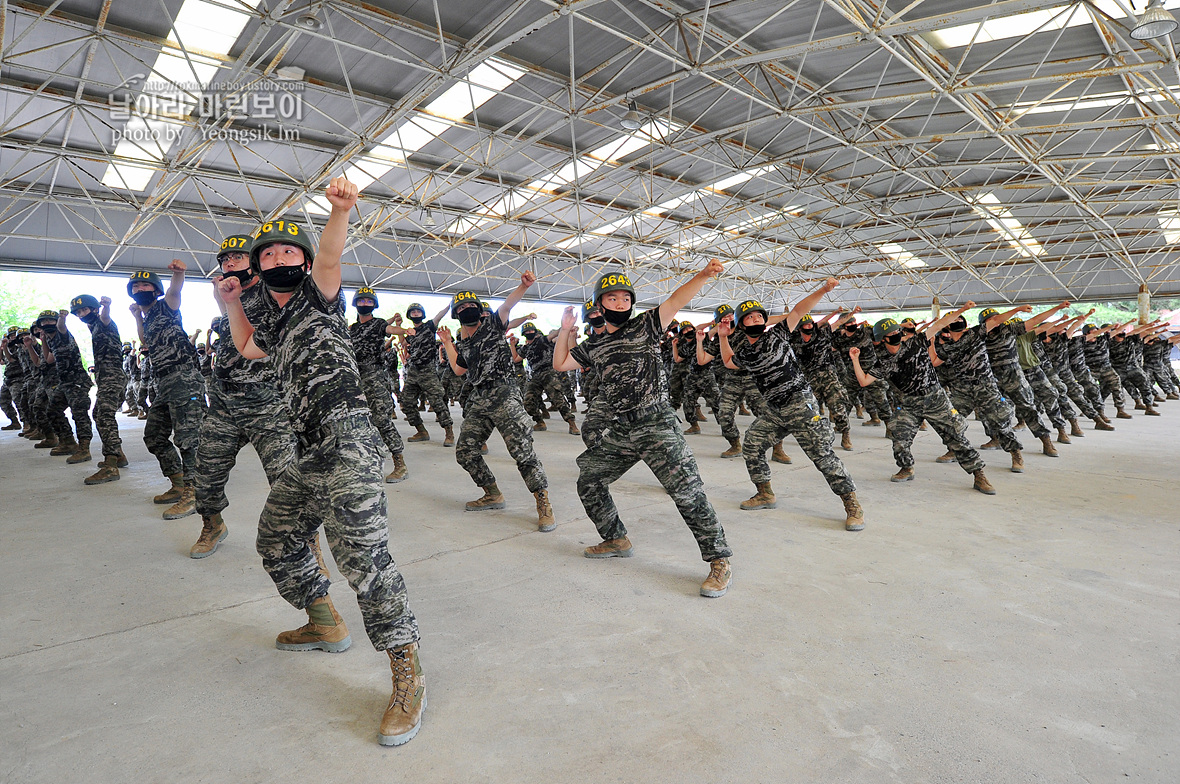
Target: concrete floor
[(1031, 636)]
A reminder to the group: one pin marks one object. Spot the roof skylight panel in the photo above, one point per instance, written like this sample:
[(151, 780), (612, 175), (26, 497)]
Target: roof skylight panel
[(1005, 223), (901, 255)]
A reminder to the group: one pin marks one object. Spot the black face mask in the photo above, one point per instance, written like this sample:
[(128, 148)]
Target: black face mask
[(617, 317), (145, 299), (283, 279), (365, 310), (49, 329), (243, 276), (909, 330), (417, 319), (597, 321), (850, 328), (754, 330), (807, 329), (958, 326), (894, 339), (89, 318), (468, 316)]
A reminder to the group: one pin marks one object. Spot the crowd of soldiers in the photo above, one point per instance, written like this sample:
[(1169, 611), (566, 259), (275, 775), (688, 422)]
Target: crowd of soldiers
[(282, 369)]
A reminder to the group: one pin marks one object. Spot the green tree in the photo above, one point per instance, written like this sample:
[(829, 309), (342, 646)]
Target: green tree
[(20, 299)]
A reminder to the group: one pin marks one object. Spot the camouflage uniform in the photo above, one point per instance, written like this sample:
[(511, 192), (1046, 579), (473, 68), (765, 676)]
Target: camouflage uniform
[(1044, 391), (494, 402), (1098, 360), (973, 387), (177, 410), (699, 381), (14, 384), (543, 379), (643, 428), (817, 357), (1057, 350), (1123, 360), (337, 460), (44, 379), (368, 340), (1155, 363), (919, 396), (1001, 352), (1081, 372), (875, 395), (106, 347), (73, 388), (422, 376)]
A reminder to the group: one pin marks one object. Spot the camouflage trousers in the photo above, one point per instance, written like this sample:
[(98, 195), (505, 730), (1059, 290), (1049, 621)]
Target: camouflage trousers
[(240, 414), (874, 397), (676, 383), (424, 382), (800, 418), (451, 383), (697, 384), (1109, 383), (1135, 382), (1045, 393), (340, 466), (21, 389), (1063, 400), (131, 396), (1070, 387), (1015, 387), (8, 400), (39, 406), (935, 407), (74, 395), (545, 382), (112, 387), (142, 391), (654, 438), (598, 418), (827, 387), (498, 407), (173, 427), (1090, 387), (983, 397), (736, 388), (379, 394), (1159, 373)]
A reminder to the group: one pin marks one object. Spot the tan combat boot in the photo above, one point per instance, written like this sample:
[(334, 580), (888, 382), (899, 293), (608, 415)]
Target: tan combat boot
[(693, 429), (81, 453), (142, 414), (399, 472), (874, 421), (922, 427), (610, 548), (846, 441), (780, 456), (324, 630), (860, 411), (403, 716), (449, 435), (982, 485), (172, 494), (313, 544), (735, 448), (903, 475), (573, 427), (1062, 436), (48, 442), (1102, 424), (1151, 410), (1049, 450), (701, 415), (1017, 462), (1075, 429), (540, 426), (421, 435), (13, 425), (855, 516), (742, 410), (992, 444), (949, 457), (213, 532), (763, 499), (107, 472), (717, 583), (1121, 413), (66, 445), (491, 499), (545, 521), (1139, 405), (185, 505), (121, 461)]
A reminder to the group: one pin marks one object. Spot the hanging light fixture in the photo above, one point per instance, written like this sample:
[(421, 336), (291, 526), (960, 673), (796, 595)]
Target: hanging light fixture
[(631, 120), (1156, 22), (428, 219)]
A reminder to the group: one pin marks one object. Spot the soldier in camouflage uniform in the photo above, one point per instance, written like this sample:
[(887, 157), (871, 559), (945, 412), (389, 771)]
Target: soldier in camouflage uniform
[(644, 427), (1096, 343), (680, 335), (699, 380), (1001, 333), (1059, 348), (973, 387), (131, 369), (422, 376), (494, 401), (1124, 359), (105, 346), (813, 344), (43, 372), (846, 335), (337, 459), (13, 397), (1044, 391), (909, 370), (1156, 351), (178, 406), (763, 346), (147, 389), (543, 380), (72, 390), (368, 335), (736, 386), (598, 410)]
